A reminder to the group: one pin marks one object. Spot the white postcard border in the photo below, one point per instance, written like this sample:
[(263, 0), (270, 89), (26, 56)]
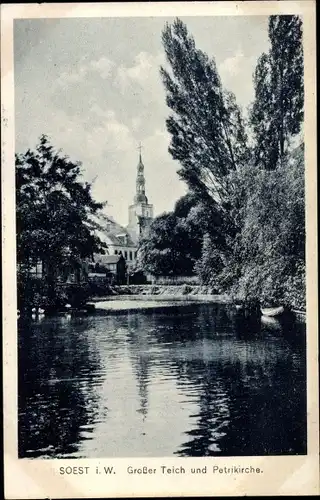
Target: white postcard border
[(282, 475)]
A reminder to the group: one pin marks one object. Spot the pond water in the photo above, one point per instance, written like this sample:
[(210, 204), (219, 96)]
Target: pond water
[(185, 379)]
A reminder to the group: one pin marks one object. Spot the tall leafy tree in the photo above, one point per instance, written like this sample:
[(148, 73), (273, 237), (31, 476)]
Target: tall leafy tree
[(270, 250), (277, 113), (173, 243), (55, 210), (207, 132)]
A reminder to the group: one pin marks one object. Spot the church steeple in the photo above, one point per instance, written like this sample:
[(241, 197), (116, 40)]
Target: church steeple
[(141, 211), (140, 149), (140, 196)]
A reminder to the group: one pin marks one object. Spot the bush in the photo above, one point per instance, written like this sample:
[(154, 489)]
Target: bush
[(78, 294), (36, 292), (32, 292), (295, 288)]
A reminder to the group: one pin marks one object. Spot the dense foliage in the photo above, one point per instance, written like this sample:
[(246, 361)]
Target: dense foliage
[(268, 260), (277, 112), (247, 208), (173, 243), (207, 131), (54, 212)]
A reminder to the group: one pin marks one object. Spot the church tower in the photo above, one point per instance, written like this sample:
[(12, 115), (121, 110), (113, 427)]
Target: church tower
[(140, 212)]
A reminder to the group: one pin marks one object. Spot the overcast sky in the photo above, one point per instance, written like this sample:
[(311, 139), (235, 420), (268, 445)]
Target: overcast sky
[(93, 86)]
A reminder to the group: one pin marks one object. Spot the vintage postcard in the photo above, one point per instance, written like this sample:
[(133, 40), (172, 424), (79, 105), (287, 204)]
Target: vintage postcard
[(159, 226)]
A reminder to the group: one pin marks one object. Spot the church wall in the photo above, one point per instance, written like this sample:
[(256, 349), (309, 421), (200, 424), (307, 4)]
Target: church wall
[(128, 252), (148, 211), (132, 216)]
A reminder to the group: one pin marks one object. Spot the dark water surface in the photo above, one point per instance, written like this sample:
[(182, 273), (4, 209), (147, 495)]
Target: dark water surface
[(189, 380)]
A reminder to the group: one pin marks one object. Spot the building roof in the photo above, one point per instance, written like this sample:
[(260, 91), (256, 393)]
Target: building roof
[(117, 239), (114, 234), (104, 259), (112, 259)]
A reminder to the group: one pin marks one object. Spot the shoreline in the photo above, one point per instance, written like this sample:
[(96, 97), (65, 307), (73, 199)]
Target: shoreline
[(171, 291), (132, 303), (123, 298), (219, 299)]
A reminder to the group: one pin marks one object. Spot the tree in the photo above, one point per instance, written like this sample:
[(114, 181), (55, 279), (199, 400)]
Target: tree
[(54, 211), (251, 214), (207, 132), (270, 249), (277, 112), (268, 258), (173, 243)]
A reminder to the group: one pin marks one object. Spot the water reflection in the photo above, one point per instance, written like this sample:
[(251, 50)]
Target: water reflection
[(187, 380), (58, 379)]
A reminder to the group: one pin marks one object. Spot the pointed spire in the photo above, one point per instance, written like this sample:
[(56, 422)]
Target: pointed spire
[(140, 182), (140, 149)]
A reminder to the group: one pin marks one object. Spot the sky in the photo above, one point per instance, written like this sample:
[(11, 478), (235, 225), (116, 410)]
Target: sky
[(93, 86)]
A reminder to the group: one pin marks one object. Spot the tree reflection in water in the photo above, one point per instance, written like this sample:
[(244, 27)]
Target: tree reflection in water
[(138, 337), (58, 380), (189, 380), (252, 376)]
